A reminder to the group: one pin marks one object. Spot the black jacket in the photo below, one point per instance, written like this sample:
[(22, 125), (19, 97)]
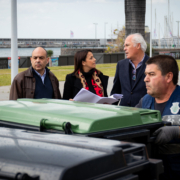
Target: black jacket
[(122, 84), (73, 85)]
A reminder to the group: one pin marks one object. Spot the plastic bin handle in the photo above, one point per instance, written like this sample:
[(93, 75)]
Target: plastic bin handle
[(18, 176), (46, 124)]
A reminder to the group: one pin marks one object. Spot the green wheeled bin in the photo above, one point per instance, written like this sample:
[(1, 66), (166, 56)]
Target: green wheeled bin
[(83, 119)]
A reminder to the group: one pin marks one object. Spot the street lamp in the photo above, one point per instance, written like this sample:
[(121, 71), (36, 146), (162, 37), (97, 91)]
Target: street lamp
[(178, 34), (150, 50), (95, 29), (105, 33), (14, 47)]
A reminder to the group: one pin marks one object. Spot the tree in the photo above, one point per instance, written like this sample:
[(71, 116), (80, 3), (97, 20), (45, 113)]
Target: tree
[(148, 48), (119, 43), (49, 54)]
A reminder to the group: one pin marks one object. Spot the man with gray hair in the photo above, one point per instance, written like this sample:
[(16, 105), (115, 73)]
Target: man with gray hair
[(129, 77)]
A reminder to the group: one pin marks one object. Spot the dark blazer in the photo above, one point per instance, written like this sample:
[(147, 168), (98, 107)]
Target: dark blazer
[(73, 85), (122, 84)]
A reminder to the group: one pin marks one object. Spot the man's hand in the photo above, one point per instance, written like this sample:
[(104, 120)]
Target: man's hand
[(166, 134)]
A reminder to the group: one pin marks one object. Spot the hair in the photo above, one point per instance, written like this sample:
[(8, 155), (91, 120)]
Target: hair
[(42, 48), (138, 39), (78, 58), (166, 64)]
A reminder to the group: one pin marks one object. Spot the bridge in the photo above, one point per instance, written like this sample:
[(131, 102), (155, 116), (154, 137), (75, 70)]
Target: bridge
[(61, 43)]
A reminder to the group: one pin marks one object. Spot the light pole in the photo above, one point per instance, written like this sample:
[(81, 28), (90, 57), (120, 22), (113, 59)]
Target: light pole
[(105, 33), (150, 50), (95, 29), (14, 47), (178, 33)]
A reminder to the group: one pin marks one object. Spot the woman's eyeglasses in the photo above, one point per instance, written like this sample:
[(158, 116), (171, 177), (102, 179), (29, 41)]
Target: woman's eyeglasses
[(134, 74)]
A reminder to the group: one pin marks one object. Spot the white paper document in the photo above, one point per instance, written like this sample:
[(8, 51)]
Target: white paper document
[(87, 96)]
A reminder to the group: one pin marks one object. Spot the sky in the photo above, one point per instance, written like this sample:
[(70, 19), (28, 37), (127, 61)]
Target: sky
[(57, 18)]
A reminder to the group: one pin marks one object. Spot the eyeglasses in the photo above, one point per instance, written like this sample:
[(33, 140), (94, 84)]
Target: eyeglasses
[(134, 74)]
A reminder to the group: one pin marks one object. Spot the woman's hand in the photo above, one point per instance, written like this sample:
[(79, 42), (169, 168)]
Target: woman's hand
[(71, 99)]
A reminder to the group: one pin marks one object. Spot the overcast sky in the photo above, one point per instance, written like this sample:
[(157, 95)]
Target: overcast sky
[(56, 18)]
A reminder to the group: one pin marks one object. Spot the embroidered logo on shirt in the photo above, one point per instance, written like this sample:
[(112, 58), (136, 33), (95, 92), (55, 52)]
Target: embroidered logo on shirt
[(175, 108)]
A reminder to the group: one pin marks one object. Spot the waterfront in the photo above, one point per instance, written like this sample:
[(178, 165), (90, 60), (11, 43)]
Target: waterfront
[(6, 52)]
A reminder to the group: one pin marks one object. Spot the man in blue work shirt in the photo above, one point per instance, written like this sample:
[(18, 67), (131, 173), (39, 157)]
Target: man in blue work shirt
[(163, 94)]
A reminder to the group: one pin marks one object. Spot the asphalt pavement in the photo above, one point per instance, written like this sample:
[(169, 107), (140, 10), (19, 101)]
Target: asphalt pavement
[(4, 90)]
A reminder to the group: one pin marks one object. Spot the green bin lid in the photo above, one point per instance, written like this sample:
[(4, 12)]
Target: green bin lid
[(83, 117)]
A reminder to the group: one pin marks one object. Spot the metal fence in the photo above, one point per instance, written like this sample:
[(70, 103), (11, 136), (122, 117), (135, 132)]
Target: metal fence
[(101, 58), (23, 62)]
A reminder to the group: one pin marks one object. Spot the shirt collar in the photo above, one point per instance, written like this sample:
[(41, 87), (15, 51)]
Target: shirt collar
[(39, 73), (139, 64)]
